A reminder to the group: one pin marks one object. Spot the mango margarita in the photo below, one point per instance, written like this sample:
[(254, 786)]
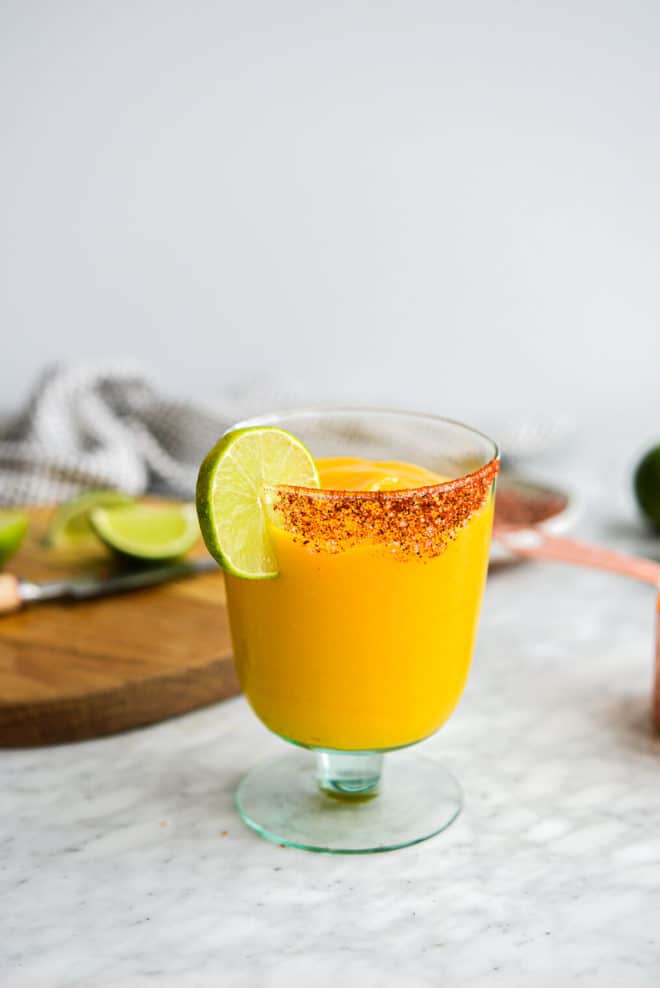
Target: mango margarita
[(363, 641)]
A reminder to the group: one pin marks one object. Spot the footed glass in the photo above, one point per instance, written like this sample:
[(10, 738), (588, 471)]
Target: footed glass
[(362, 644)]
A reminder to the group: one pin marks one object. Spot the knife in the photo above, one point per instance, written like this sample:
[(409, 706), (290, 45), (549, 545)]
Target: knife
[(16, 593)]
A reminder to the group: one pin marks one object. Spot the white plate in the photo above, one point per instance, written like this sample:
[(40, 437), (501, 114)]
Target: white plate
[(557, 519)]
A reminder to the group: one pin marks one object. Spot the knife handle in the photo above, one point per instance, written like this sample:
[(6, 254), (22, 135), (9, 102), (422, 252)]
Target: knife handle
[(10, 594)]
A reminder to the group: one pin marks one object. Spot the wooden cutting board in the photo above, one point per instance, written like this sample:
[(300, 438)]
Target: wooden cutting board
[(70, 671)]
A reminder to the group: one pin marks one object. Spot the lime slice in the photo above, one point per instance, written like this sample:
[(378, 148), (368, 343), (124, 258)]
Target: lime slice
[(13, 526), (70, 527), (230, 495), (147, 531)]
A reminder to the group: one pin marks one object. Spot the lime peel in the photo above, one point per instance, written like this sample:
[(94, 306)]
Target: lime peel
[(13, 526)]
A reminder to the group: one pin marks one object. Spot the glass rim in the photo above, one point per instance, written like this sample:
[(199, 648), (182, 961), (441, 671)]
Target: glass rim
[(308, 411)]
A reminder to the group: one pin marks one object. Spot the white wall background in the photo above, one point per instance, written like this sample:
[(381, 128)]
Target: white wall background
[(436, 204)]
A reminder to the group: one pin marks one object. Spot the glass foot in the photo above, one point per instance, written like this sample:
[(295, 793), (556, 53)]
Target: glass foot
[(342, 804)]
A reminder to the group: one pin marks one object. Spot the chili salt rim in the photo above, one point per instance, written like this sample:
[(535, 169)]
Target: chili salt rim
[(492, 467), (419, 521)]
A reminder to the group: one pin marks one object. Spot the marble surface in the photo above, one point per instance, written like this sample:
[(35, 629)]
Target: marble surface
[(122, 861)]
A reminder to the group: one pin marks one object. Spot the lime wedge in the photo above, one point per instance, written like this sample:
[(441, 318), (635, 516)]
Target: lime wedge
[(70, 527), (13, 526), (230, 495), (147, 531)]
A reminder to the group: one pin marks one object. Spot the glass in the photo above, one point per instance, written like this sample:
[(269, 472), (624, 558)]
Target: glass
[(362, 644)]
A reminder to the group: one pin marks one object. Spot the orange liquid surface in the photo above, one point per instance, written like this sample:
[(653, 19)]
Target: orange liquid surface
[(359, 649)]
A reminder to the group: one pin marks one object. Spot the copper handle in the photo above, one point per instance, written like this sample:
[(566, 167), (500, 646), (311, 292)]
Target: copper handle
[(534, 543)]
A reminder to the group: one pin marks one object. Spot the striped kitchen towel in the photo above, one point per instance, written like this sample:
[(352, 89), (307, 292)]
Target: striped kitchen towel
[(103, 424)]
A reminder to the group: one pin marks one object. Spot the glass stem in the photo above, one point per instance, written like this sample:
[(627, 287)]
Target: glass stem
[(346, 774)]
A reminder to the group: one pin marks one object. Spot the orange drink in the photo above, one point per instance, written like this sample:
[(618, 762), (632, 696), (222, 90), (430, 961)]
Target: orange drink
[(355, 546), (361, 648)]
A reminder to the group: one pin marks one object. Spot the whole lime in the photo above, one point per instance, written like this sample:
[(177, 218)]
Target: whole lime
[(646, 482)]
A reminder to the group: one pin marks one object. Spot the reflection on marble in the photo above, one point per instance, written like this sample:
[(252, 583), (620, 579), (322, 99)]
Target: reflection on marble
[(122, 861)]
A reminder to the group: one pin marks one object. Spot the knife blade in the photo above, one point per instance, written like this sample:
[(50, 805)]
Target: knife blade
[(16, 592)]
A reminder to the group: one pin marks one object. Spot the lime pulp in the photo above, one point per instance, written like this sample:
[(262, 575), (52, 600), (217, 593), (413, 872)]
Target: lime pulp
[(70, 526)]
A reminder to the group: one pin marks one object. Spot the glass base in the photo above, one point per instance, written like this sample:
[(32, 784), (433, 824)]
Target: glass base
[(343, 805)]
